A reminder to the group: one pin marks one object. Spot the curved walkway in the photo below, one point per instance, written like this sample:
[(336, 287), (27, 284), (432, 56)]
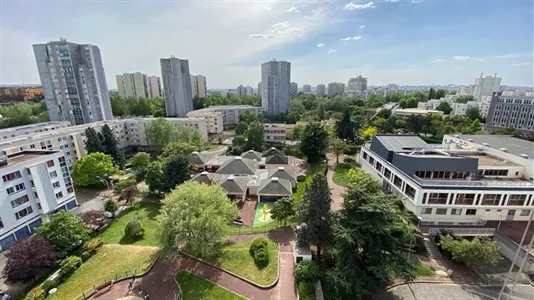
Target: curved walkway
[(337, 190)]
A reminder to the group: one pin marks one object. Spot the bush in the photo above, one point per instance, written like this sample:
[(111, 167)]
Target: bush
[(92, 245), (85, 256), (68, 266), (111, 206), (49, 284), (134, 230), (28, 257), (140, 176), (349, 160), (306, 291), (261, 257), (258, 243), (121, 185), (351, 150), (37, 293), (307, 271)]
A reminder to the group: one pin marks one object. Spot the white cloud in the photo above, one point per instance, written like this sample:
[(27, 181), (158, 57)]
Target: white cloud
[(267, 7), (392, 1), (320, 45), (458, 57), (261, 36), (332, 51), (283, 28), (521, 64), (351, 38), (293, 10), (362, 26), (481, 60), (438, 60), (352, 6)]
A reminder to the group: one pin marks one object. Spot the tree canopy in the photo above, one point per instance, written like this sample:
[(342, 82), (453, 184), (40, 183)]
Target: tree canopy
[(283, 210), (66, 231), (140, 162), (93, 143), (314, 142), (111, 146), (175, 172), (154, 176), (160, 132), (29, 257), (88, 168), (479, 253), (445, 107)]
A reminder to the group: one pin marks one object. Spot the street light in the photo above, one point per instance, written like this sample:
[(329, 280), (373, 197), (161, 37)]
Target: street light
[(419, 219), (53, 292), (105, 181)]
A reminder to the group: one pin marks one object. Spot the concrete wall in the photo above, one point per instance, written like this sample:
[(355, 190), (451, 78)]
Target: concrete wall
[(508, 248)]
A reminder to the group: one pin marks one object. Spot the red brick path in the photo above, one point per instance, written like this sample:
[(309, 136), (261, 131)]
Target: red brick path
[(337, 190)]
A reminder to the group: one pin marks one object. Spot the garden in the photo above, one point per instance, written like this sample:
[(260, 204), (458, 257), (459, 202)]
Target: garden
[(194, 287)]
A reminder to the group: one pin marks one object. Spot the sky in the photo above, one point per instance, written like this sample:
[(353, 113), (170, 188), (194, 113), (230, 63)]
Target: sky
[(407, 42)]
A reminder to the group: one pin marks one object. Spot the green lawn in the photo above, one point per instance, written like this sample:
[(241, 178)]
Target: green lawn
[(341, 174), (212, 147), (423, 269), (233, 229), (259, 219), (146, 213), (301, 186), (196, 288), (236, 258), (110, 260)]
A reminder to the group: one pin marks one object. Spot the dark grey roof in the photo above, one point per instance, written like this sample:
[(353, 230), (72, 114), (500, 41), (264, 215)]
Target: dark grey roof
[(275, 187), (234, 185), (401, 143), (514, 145), (276, 159), (206, 177), (272, 151), (238, 166), (283, 173), (197, 158), (251, 154)]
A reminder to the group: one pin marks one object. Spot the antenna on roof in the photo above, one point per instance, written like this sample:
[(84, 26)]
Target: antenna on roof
[(63, 39)]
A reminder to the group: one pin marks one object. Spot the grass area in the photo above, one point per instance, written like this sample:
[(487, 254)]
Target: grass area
[(261, 220), (306, 291), (110, 260), (233, 229), (423, 269), (194, 287), (212, 147), (341, 174), (301, 186), (236, 258), (145, 214)]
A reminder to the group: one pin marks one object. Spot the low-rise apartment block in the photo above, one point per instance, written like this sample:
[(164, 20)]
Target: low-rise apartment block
[(275, 132), (214, 120), (511, 111), (230, 113), (466, 182), (34, 186)]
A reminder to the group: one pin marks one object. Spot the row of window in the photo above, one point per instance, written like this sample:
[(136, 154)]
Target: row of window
[(11, 176), (493, 172), (16, 188), (468, 212), (476, 199), (19, 201), (24, 212)]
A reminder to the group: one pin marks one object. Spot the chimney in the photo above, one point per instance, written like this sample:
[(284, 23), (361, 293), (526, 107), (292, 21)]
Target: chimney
[(280, 168), (274, 179), (503, 149), (524, 156), (231, 178), (204, 173), (238, 157)]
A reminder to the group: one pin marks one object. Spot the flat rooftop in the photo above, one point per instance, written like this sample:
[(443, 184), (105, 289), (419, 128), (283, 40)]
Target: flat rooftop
[(25, 156), (514, 145), (486, 160)]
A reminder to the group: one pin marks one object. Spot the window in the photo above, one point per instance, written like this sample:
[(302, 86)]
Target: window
[(59, 195), (22, 213), (470, 212), (1, 224), (493, 199), (525, 212), (465, 199), (397, 181), (62, 159), (517, 200), (53, 174), (50, 163), (14, 189), (70, 190), (441, 211), (410, 191), (387, 173), (11, 176), (495, 172), (20, 201), (56, 184), (426, 211), (437, 198)]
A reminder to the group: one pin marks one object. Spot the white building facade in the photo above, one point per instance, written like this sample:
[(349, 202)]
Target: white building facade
[(214, 120), (230, 113)]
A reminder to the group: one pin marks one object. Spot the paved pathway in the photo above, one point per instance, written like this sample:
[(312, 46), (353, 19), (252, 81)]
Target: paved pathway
[(337, 190)]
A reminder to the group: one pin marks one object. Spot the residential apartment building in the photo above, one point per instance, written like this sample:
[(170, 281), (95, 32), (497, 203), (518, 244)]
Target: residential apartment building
[(74, 82), (275, 87), (460, 109), (177, 86), (306, 89), (293, 89), (214, 119), (13, 132), (507, 111), (336, 89), (356, 85), (468, 181), (241, 91), (249, 90), (230, 113), (130, 135), (154, 86), (35, 185), (484, 86), (275, 132), (132, 85), (198, 85), (321, 90), (24, 92)]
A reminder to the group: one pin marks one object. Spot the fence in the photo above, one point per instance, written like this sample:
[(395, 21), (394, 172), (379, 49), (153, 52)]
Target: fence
[(465, 231)]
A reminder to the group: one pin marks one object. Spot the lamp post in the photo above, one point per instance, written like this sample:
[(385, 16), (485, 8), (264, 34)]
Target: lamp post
[(105, 181), (419, 219)]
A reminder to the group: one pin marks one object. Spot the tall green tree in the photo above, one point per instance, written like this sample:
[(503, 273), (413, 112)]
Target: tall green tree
[(315, 212), (415, 123), (112, 147), (440, 93), (140, 162), (346, 129), (479, 253), (241, 128), (431, 94), (473, 113), (192, 136), (160, 132), (93, 143), (464, 99), (197, 216), (255, 136), (66, 231), (445, 107), (88, 169), (338, 147), (173, 149), (175, 172), (314, 142), (320, 112), (283, 210), (154, 176)]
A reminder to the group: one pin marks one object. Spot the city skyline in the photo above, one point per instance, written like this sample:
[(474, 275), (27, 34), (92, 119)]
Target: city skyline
[(430, 42)]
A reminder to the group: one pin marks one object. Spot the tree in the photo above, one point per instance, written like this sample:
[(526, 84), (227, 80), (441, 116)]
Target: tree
[(432, 94), (415, 123), (92, 142), (314, 142), (241, 128), (481, 252), (464, 99), (255, 137), (320, 112), (363, 182), (445, 107), (368, 133), (338, 147), (473, 113), (29, 257), (111, 206), (66, 231), (154, 176), (196, 215), (175, 172), (88, 169), (173, 149), (191, 136), (315, 212), (140, 162), (160, 132), (111, 146), (508, 131), (440, 93), (384, 113), (297, 130), (283, 210), (346, 128)]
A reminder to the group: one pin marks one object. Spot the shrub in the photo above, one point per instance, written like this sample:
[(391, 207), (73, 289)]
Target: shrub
[(307, 271), (49, 284), (92, 245), (68, 266), (134, 230), (261, 257), (85, 256), (258, 243), (111, 206), (306, 291), (37, 293), (28, 257), (351, 149), (121, 185)]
